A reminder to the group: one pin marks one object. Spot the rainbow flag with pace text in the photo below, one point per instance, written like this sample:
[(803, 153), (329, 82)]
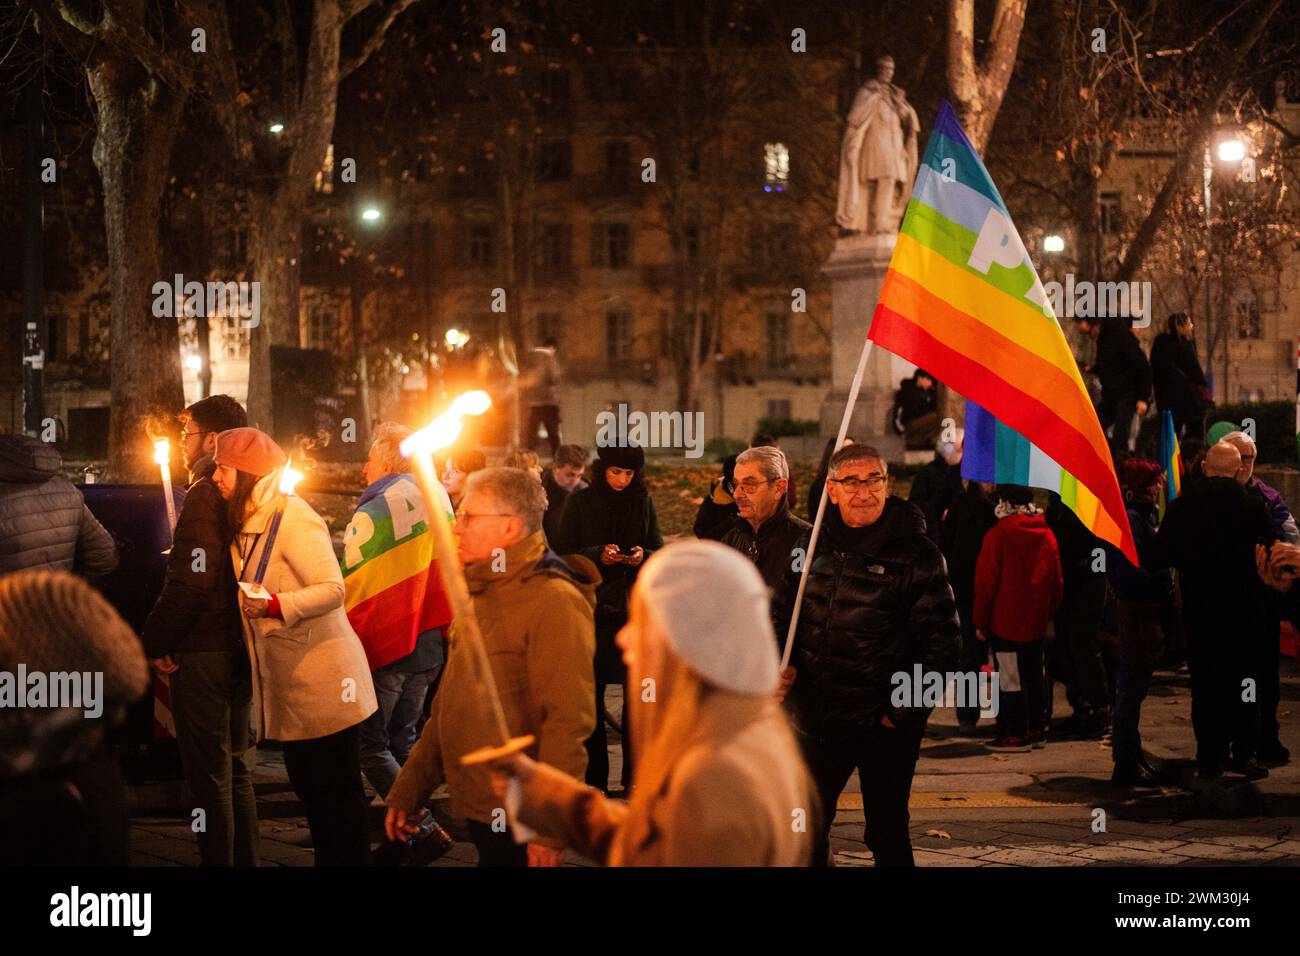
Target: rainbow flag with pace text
[(962, 300), (392, 590)]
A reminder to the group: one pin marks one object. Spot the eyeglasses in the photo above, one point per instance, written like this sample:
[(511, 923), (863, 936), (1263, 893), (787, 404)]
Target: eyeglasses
[(854, 485), (750, 485), (465, 517), (189, 434)]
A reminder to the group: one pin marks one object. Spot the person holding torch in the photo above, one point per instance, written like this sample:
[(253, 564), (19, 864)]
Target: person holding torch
[(719, 780), (311, 682), (534, 610)]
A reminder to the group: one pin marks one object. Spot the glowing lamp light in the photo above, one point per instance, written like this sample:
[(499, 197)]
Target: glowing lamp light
[(455, 338), (162, 451), (276, 128), (193, 362), (370, 214), (445, 429), (1232, 150), (1053, 243)]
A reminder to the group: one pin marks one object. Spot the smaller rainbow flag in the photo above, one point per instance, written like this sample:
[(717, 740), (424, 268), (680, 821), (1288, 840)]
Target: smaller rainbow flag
[(1171, 457), (392, 590)]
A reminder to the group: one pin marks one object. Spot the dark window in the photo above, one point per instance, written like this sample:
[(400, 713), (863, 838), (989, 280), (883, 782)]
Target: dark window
[(553, 246), (775, 245), (555, 92), (776, 340), (1249, 323), (618, 337), (691, 243), (322, 324), (613, 245), (1111, 214), (482, 244), (618, 164), (549, 327), (612, 85), (554, 160), (778, 408)]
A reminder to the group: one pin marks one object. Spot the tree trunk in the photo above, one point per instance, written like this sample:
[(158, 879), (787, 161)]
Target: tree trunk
[(136, 128), (275, 245), (978, 87), (278, 215)]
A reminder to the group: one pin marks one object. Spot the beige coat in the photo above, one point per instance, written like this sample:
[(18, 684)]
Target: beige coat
[(536, 619), (737, 795), (310, 676)]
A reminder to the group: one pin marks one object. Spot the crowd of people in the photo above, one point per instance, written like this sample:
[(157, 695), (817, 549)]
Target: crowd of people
[(351, 662)]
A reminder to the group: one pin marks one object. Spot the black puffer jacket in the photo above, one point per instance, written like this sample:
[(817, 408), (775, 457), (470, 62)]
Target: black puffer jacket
[(877, 602), (44, 522)]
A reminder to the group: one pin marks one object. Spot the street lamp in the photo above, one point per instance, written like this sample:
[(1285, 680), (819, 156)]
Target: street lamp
[(276, 128), (1053, 243), (455, 338), (1231, 149), (371, 214)]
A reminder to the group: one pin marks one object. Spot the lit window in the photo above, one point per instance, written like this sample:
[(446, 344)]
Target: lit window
[(776, 166)]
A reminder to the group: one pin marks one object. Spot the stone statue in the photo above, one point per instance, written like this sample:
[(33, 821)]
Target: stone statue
[(878, 158)]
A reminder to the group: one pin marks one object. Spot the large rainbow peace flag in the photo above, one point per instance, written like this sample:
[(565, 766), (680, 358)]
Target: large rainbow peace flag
[(963, 301), (392, 590)]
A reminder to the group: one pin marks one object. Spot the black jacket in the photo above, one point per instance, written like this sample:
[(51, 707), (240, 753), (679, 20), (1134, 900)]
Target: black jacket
[(198, 609), (588, 524), (1177, 374), (877, 602), (936, 487), (556, 497), (1075, 542), (771, 549), (1121, 365), (911, 401), (1209, 534), (44, 522), (962, 536)]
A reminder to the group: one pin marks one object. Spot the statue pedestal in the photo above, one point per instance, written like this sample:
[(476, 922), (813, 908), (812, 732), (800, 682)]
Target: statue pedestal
[(857, 268)]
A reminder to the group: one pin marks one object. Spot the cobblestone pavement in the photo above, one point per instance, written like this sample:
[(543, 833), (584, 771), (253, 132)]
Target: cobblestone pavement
[(969, 807)]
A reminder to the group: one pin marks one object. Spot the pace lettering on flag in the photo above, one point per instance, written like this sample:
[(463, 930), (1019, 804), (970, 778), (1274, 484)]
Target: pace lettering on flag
[(962, 300), (392, 590)]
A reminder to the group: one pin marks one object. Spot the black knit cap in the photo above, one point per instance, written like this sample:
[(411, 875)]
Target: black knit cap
[(621, 456)]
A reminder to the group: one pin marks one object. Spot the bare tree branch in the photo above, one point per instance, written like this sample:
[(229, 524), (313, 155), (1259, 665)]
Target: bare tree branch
[(375, 40), (1191, 150)]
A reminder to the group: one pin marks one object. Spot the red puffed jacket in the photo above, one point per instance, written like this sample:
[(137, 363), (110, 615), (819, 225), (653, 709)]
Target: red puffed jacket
[(1018, 579)]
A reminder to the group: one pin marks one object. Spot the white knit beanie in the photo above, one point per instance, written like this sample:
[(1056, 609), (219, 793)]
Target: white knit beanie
[(712, 605)]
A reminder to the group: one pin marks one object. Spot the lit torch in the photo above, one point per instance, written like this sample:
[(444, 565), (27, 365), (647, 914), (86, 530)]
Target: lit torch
[(419, 447), (288, 480), (162, 455)]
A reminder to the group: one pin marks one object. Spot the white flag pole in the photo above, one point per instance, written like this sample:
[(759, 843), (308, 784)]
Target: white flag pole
[(821, 505)]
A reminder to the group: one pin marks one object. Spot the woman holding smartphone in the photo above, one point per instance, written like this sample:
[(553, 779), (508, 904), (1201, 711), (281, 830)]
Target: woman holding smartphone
[(612, 522), (311, 682)]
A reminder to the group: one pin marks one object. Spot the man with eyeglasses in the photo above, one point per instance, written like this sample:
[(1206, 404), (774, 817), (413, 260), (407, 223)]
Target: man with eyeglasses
[(877, 604), (535, 610), (194, 635), (767, 532)]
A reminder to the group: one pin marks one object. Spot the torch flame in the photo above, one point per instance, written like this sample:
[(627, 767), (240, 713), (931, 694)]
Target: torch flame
[(444, 429), (289, 478), (161, 451)]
